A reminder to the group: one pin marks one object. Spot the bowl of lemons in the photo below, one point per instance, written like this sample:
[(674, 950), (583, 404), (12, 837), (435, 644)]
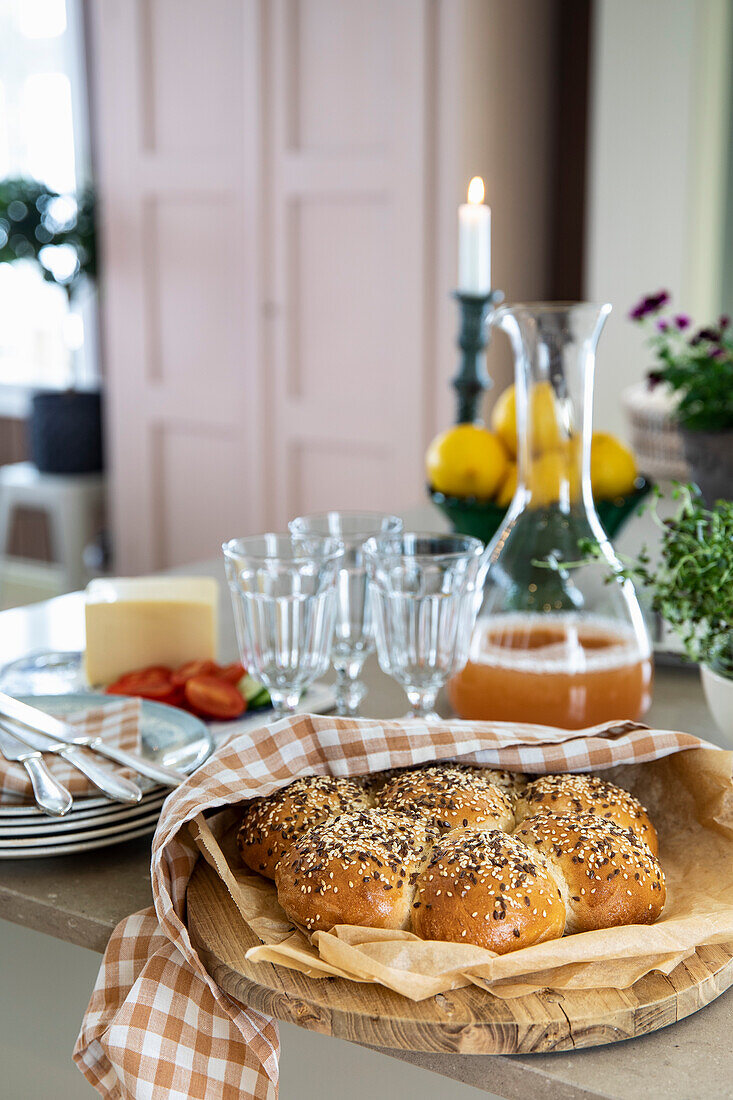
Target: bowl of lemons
[(472, 470)]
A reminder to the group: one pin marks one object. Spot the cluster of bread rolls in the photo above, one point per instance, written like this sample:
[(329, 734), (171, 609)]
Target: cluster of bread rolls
[(457, 853)]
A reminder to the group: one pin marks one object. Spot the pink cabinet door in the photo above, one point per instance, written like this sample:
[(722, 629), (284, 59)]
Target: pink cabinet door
[(262, 171), (176, 110), (345, 185)]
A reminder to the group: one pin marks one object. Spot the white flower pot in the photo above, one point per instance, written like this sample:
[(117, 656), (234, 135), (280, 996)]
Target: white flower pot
[(719, 695)]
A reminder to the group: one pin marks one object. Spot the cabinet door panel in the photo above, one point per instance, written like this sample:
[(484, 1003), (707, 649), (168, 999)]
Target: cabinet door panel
[(177, 113), (346, 87)]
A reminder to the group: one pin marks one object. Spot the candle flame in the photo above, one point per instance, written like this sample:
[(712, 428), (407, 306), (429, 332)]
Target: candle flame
[(476, 190)]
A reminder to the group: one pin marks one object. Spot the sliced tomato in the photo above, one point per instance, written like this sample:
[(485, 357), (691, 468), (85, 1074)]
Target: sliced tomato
[(212, 697), (159, 690), (151, 674), (232, 673), (132, 683), (194, 668)]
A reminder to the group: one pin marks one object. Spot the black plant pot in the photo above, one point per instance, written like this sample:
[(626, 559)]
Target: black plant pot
[(710, 458), (66, 432)]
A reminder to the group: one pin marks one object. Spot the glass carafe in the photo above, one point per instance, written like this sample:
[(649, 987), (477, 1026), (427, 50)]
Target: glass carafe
[(558, 645)]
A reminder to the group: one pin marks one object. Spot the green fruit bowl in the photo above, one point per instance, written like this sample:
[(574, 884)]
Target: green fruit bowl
[(483, 518)]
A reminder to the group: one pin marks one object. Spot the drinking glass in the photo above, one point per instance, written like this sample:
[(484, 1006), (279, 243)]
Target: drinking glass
[(353, 639), (425, 591), (284, 590)]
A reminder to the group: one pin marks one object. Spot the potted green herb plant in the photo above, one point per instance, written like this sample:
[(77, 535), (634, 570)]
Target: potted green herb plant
[(57, 233), (691, 586), (697, 367)]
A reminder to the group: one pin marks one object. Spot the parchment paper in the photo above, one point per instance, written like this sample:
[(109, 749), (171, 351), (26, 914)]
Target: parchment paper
[(689, 796)]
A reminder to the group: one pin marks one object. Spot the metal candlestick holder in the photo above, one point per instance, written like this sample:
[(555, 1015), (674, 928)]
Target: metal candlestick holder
[(472, 379)]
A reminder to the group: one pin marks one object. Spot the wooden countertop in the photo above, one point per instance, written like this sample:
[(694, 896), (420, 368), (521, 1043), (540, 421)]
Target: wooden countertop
[(81, 898)]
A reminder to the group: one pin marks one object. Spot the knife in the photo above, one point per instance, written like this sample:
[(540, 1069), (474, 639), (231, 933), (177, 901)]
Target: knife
[(51, 796), (113, 786), (41, 722)]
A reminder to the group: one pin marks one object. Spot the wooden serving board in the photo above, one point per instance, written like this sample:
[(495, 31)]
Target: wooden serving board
[(469, 1020)]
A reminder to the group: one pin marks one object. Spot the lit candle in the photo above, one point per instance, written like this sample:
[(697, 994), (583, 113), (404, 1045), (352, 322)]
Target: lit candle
[(474, 241)]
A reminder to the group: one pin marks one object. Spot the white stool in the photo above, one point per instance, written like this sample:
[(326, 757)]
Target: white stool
[(73, 503)]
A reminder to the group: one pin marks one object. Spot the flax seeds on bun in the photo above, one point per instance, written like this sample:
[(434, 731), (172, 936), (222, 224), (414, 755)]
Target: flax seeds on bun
[(568, 793), (271, 824), (358, 868), (607, 875), (450, 796), (487, 888)]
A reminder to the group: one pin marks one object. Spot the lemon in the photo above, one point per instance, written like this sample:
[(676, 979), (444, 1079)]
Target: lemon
[(545, 430), (612, 467), (508, 487), (466, 461), (549, 473), (504, 419)]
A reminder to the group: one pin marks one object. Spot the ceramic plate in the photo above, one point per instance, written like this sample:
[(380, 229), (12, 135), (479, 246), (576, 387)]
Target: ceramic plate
[(86, 845), (115, 831), (49, 826), (169, 736)]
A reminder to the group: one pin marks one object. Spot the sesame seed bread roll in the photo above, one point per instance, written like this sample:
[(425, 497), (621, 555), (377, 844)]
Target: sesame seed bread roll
[(449, 796), (608, 876), (271, 824), (354, 869), (487, 888), (576, 794), (514, 783)]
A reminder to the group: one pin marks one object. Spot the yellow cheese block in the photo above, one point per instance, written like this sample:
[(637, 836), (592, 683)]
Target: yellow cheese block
[(132, 622)]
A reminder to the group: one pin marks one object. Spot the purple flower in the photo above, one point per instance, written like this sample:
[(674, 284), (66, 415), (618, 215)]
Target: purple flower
[(656, 301), (652, 303), (662, 325), (717, 353), (723, 321), (653, 378), (682, 321), (708, 334)]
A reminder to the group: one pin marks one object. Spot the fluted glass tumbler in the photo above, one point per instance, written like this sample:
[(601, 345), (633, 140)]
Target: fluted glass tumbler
[(284, 592), (353, 638), (425, 592)]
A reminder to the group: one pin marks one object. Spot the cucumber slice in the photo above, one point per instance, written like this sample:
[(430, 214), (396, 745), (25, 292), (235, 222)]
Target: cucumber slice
[(262, 699), (251, 690)]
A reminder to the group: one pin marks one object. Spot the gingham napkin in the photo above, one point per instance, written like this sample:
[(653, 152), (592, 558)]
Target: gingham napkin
[(117, 722), (157, 1025)]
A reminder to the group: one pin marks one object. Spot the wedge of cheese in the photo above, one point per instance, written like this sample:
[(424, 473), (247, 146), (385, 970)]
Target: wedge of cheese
[(132, 622)]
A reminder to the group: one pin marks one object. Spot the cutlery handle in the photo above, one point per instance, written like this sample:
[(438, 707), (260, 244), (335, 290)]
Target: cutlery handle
[(169, 777), (51, 796), (114, 786)]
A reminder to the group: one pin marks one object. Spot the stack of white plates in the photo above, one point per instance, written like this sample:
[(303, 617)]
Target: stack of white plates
[(90, 823), (168, 736)]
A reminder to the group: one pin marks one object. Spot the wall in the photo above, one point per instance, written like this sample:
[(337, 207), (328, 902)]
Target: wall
[(509, 51), (659, 113)]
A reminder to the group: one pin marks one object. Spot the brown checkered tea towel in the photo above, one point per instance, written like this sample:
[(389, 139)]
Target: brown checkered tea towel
[(157, 1025)]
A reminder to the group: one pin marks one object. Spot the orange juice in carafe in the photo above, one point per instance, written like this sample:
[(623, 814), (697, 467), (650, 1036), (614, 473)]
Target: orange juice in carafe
[(559, 670), (560, 638)]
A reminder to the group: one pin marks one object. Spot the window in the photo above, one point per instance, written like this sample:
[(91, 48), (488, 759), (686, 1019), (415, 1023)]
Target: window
[(44, 135)]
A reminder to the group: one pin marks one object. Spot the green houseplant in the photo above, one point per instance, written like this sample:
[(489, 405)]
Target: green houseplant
[(697, 366), (57, 233), (691, 587)]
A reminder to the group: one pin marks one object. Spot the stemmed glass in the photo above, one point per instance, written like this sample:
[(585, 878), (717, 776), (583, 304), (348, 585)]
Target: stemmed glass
[(354, 634), (426, 591), (284, 590)]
